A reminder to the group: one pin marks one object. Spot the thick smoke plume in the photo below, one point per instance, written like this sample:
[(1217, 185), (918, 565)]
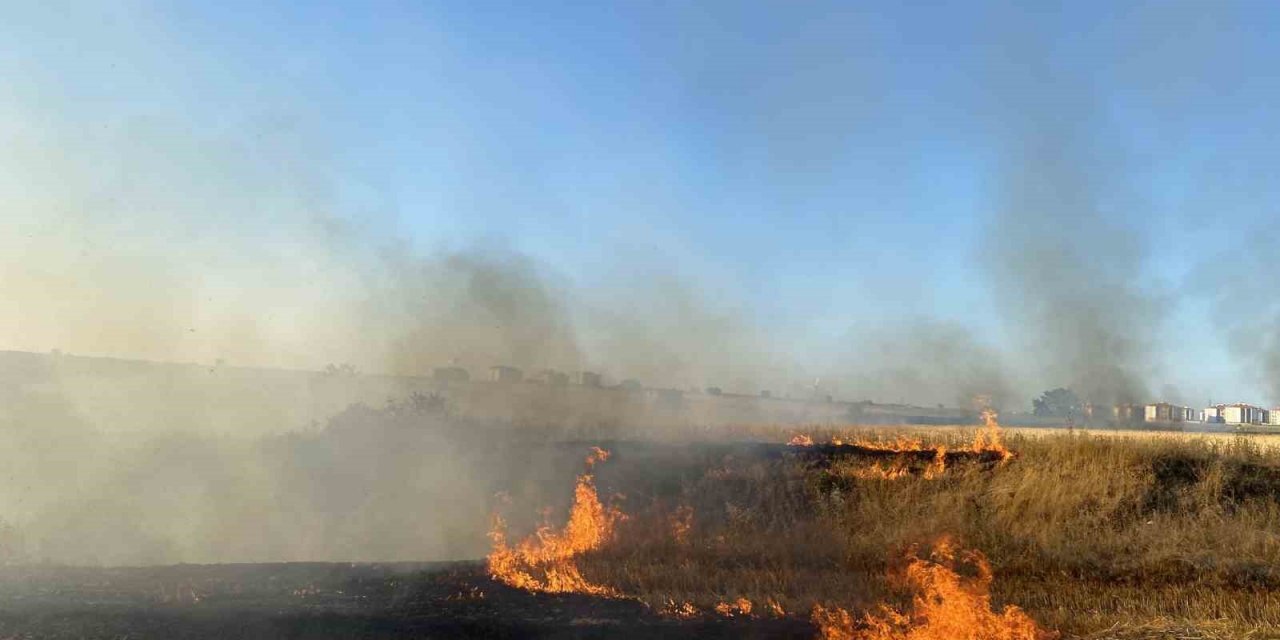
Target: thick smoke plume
[(1065, 265)]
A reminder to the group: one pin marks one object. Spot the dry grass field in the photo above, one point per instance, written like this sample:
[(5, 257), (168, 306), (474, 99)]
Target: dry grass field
[(921, 533), (1091, 535)]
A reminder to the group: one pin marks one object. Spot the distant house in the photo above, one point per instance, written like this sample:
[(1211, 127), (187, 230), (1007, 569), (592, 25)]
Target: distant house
[(1241, 413), (505, 374), (586, 378), (450, 374), (1273, 416)]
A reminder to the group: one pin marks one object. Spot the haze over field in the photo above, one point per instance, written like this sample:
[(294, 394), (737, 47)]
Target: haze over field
[(883, 203), (395, 187)]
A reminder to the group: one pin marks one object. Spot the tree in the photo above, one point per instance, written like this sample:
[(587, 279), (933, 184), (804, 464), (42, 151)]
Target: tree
[(1060, 403)]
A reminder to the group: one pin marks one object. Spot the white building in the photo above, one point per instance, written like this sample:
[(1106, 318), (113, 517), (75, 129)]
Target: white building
[(1241, 413)]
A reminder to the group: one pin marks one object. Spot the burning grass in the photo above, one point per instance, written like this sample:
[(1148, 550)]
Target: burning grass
[(946, 605), (1095, 537), (545, 561)]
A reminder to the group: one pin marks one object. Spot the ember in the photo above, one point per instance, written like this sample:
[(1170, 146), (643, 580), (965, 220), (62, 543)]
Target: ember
[(682, 610)]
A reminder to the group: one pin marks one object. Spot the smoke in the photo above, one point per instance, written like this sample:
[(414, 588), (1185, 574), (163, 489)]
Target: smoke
[(1235, 282), (667, 331), (1065, 264), (183, 229), (475, 308), (924, 361), (393, 484)]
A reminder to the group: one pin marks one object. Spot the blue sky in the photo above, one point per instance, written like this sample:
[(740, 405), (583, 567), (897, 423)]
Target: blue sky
[(823, 168)]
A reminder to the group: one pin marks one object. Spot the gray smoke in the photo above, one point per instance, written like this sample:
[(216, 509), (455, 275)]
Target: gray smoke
[(1236, 281), (924, 361), (665, 331), (367, 486), (475, 308), (1065, 264)]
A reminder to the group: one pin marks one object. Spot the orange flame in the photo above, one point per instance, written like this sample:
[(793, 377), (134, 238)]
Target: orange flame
[(775, 608), (544, 561), (681, 522), (899, 444), (939, 464), (833, 623), (946, 606), (739, 607), (681, 610), (990, 437), (877, 472)]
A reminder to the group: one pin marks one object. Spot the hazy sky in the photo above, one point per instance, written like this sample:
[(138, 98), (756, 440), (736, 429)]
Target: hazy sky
[(821, 168)]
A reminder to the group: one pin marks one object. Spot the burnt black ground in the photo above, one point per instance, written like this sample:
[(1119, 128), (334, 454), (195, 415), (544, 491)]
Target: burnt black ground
[(305, 600)]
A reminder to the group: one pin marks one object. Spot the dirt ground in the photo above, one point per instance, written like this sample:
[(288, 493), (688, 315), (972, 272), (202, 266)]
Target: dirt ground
[(452, 600)]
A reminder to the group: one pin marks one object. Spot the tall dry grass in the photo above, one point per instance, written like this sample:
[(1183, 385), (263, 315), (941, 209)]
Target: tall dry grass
[(1091, 535)]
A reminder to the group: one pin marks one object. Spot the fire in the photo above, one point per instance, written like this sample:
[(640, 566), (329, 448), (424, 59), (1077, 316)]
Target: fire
[(990, 437), (833, 623), (939, 464), (876, 472), (681, 610), (739, 607), (899, 469), (544, 561), (899, 444), (775, 608), (681, 522), (946, 606)]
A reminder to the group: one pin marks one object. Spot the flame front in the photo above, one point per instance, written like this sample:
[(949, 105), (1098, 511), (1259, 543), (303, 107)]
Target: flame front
[(544, 561), (988, 440), (894, 471), (739, 607), (990, 437), (946, 606)]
